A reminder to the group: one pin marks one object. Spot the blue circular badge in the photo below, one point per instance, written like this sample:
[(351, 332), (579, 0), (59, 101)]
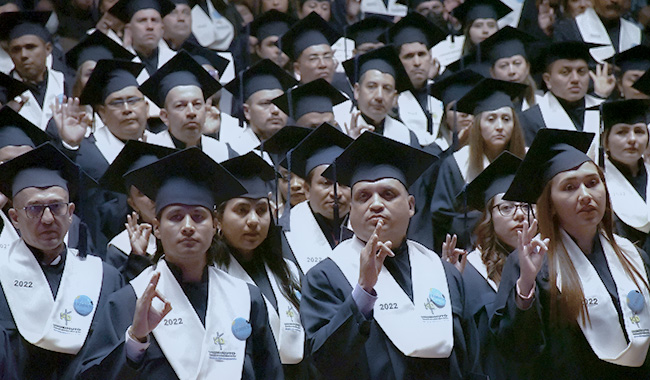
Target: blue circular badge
[(297, 293), (83, 305), (635, 301), (437, 297), (241, 328)]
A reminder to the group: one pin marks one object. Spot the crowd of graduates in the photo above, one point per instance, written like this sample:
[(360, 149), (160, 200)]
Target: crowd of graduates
[(324, 189)]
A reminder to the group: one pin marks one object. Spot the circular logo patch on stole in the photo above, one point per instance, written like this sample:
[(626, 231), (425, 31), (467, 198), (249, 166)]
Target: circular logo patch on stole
[(241, 328), (83, 305), (437, 297), (635, 301)]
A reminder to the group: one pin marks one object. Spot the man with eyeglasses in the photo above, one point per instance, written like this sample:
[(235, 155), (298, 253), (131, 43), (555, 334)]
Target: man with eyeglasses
[(50, 292)]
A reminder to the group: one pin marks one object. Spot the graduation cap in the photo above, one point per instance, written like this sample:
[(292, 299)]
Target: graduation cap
[(17, 24), (253, 173), (488, 95), (133, 156), (412, 4), (311, 30), (366, 159), (495, 179), (643, 83), (10, 88), (271, 23), (283, 140), (570, 50), (206, 56), (264, 75), (553, 151), (472, 61), (189, 177), (636, 58), (125, 9), (94, 47), (320, 147), (383, 59), (505, 43), (470, 10), (630, 112), (109, 76), (15, 130), (454, 86), (181, 70), (414, 28), (315, 96), (368, 30)]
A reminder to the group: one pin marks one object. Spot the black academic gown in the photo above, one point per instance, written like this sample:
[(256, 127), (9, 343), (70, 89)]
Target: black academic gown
[(33, 362), (130, 266), (553, 352), (7, 361), (105, 355), (346, 345)]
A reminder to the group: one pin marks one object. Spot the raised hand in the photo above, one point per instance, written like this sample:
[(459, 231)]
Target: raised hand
[(604, 81), (138, 234), (147, 317), (355, 129), (372, 259), (212, 119), (531, 251), (451, 254), (71, 119)]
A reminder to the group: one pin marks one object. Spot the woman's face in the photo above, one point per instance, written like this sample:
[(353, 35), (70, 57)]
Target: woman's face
[(507, 219), (142, 204), (278, 5), (627, 142), (511, 69), (245, 223), (627, 81), (578, 198), (496, 129), (460, 119), (576, 7), (85, 70), (481, 29), (321, 7)]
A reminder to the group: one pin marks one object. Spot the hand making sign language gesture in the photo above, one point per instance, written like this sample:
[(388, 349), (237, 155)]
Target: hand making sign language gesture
[(531, 251), (372, 259)]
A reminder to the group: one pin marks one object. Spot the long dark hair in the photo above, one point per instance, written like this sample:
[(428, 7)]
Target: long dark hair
[(493, 251)]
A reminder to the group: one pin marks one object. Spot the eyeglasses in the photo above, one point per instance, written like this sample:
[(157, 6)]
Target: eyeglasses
[(509, 209), (119, 103), (36, 211)]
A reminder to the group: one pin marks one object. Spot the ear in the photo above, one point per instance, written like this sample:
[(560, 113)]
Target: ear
[(395, 97), (296, 68), (411, 200), (247, 111), (547, 79), (71, 209), (48, 47), (164, 116), (13, 216), (156, 228), (356, 91)]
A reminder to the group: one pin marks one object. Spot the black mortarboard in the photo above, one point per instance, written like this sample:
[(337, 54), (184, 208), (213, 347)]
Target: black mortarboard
[(189, 177), (42, 167), (368, 30), (414, 28), (315, 96), (181, 70), (271, 23), (125, 9), (630, 111), (505, 43), (470, 10), (384, 59), (15, 130), (94, 47), (10, 88), (553, 151), (320, 147), (488, 95), (471, 61), (283, 140), (264, 75), (454, 86), (133, 156), (571, 50), (311, 30), (206, 56), (643, 83), (366, 159), (495, 179), (636, 58), (109, 76), (412, 4), (253, 173), (17, 24)]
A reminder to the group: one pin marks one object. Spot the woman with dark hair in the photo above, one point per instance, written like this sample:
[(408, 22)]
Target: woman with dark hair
[(580, 311), (249, 248), (480, 20)]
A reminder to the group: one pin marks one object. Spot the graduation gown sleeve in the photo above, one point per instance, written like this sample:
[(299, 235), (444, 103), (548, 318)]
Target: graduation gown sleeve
[(7, 360), (531, 121)]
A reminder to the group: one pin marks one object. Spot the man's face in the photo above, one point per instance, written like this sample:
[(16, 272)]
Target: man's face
[(567, 79), (375, 94), (125, 113), (430, 8), (417, 62), (321, 7), (29, 54), (316, 119), (321, 194), (268, 49), (315, 62), (611, 9), (178, 24), (264, 117), (46, 232), (185, 232), (146, 28), (385, 199), (184, 113)]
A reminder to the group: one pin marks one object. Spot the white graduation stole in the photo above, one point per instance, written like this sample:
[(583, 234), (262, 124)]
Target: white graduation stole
[(592, 30), (378, 7), (475, 259), (414, 118), (306, 239), (212, 31), (8, 234), (31, 110), (604, 333), (420, 328), (109, 145), (285, 322), (122, 242), (395, 130), (513, 17), (448, 50), (215, 149), (194, 351), (53, 324), (626, 201), (462, 160)]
